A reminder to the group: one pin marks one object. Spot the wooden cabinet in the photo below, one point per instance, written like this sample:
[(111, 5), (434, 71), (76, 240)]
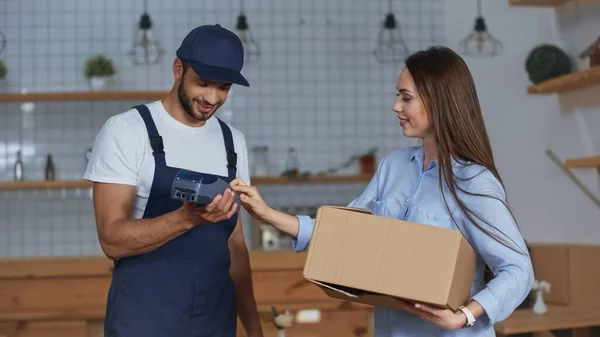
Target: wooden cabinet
[(66, 297)]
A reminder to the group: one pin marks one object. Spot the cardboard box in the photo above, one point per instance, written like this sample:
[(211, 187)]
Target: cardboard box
[(356, 256)]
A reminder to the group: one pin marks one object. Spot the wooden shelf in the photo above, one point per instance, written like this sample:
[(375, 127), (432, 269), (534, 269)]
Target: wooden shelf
[(587, 162), (538, 3), (566, 83), (54, 184), (311, 180), (68, 184), (83, 96)]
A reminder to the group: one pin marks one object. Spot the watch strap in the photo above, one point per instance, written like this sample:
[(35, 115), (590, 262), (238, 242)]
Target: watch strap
[(470, 318)]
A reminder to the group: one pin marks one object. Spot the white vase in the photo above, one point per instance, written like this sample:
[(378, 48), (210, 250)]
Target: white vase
[(539, 307), (98, 83)]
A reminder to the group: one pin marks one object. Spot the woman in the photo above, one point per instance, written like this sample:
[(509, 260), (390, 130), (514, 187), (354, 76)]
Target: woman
[(450, 181)]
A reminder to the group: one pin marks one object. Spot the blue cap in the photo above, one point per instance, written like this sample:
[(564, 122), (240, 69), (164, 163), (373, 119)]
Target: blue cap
[(215, 54)]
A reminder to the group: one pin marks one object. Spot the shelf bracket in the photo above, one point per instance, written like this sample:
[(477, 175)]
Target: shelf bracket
[(574, 178)]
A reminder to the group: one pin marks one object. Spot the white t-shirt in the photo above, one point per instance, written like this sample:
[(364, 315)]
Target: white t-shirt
[(122, 154)]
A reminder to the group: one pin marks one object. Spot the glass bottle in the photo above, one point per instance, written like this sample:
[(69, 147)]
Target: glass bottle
[(49, 171), (261, 161), (291, 164), (19, 168)]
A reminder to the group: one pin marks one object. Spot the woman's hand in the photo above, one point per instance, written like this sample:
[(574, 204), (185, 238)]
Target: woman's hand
[(444, 318), (251, 200)]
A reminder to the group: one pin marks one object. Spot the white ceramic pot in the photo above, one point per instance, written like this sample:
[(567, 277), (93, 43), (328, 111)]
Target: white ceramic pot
[(98, 83)]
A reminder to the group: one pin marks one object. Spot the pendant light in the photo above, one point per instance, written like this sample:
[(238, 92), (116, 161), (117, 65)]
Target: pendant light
[(251, 47), (390, 43), (146, 48), (480, 43)]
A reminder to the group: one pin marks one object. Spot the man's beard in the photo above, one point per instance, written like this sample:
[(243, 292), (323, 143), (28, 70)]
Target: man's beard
[(186, 104)]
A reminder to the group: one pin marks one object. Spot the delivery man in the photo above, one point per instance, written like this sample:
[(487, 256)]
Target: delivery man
[(180, 269)]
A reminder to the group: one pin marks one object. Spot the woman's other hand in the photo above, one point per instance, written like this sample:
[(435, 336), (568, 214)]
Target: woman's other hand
[(444, 318)]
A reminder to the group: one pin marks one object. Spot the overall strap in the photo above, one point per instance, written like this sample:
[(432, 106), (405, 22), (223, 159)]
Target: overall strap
[(155, 139), (231, 155)]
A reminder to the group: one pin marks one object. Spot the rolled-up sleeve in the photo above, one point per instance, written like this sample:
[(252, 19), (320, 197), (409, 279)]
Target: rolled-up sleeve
[(513, 272), (306, 224), (364, 200)]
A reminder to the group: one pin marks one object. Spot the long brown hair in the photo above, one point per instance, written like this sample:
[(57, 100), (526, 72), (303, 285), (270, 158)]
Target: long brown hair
[(447, 89)]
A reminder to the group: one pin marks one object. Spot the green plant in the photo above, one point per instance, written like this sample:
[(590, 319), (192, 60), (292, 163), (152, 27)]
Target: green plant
[(545, 62), (100, 66), (3, 70)]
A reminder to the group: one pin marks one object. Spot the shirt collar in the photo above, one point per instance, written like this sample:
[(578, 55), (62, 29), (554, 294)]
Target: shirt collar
[(418, 155)]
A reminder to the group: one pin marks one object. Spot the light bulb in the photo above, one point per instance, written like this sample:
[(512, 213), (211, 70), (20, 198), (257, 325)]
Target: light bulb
[(480, 41), (390, 37), (243, 36)]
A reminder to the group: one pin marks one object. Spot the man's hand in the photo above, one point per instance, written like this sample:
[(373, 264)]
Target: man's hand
[(120, 236), (444, 318), (221, 208)]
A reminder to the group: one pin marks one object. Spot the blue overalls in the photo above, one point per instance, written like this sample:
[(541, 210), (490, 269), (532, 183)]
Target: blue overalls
[(183, 288)]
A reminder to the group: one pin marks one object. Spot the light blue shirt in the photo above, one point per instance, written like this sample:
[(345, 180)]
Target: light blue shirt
[(402, 189)]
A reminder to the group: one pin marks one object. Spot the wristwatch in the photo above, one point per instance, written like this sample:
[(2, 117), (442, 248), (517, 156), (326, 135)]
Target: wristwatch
[(470, 318)]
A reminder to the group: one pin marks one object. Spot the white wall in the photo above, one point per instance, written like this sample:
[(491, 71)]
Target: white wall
[(548, 206)]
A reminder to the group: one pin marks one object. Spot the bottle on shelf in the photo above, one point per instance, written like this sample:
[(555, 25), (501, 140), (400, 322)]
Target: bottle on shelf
[(19, 169), (260, 161), (49, 171), (291, 164)]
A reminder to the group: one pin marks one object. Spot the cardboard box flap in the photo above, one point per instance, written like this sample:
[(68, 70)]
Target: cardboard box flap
[(367, 297), (350, 292), (352, 209)]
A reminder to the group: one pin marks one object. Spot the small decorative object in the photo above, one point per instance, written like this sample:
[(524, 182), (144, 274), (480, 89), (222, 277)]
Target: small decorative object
[(593, 52), (391, 47), (545, 62), (270, 237), (539, 307), (251, 47), (88, 155), (3, 70), (19, 169), (27, 107), (282, 321), (480, 42), (49, 170), (98, 69), (367, 162), (260, 161), (291, 164), (146, 48)]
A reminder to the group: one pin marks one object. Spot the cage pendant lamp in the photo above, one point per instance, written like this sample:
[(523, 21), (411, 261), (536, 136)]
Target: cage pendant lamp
[(251, 46), (480, 42), (146, 49), (391, 46)]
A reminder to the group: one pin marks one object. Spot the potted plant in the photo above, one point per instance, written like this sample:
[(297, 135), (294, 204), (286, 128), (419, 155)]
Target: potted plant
[(367, 161), (3, 70), (97, 70)]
